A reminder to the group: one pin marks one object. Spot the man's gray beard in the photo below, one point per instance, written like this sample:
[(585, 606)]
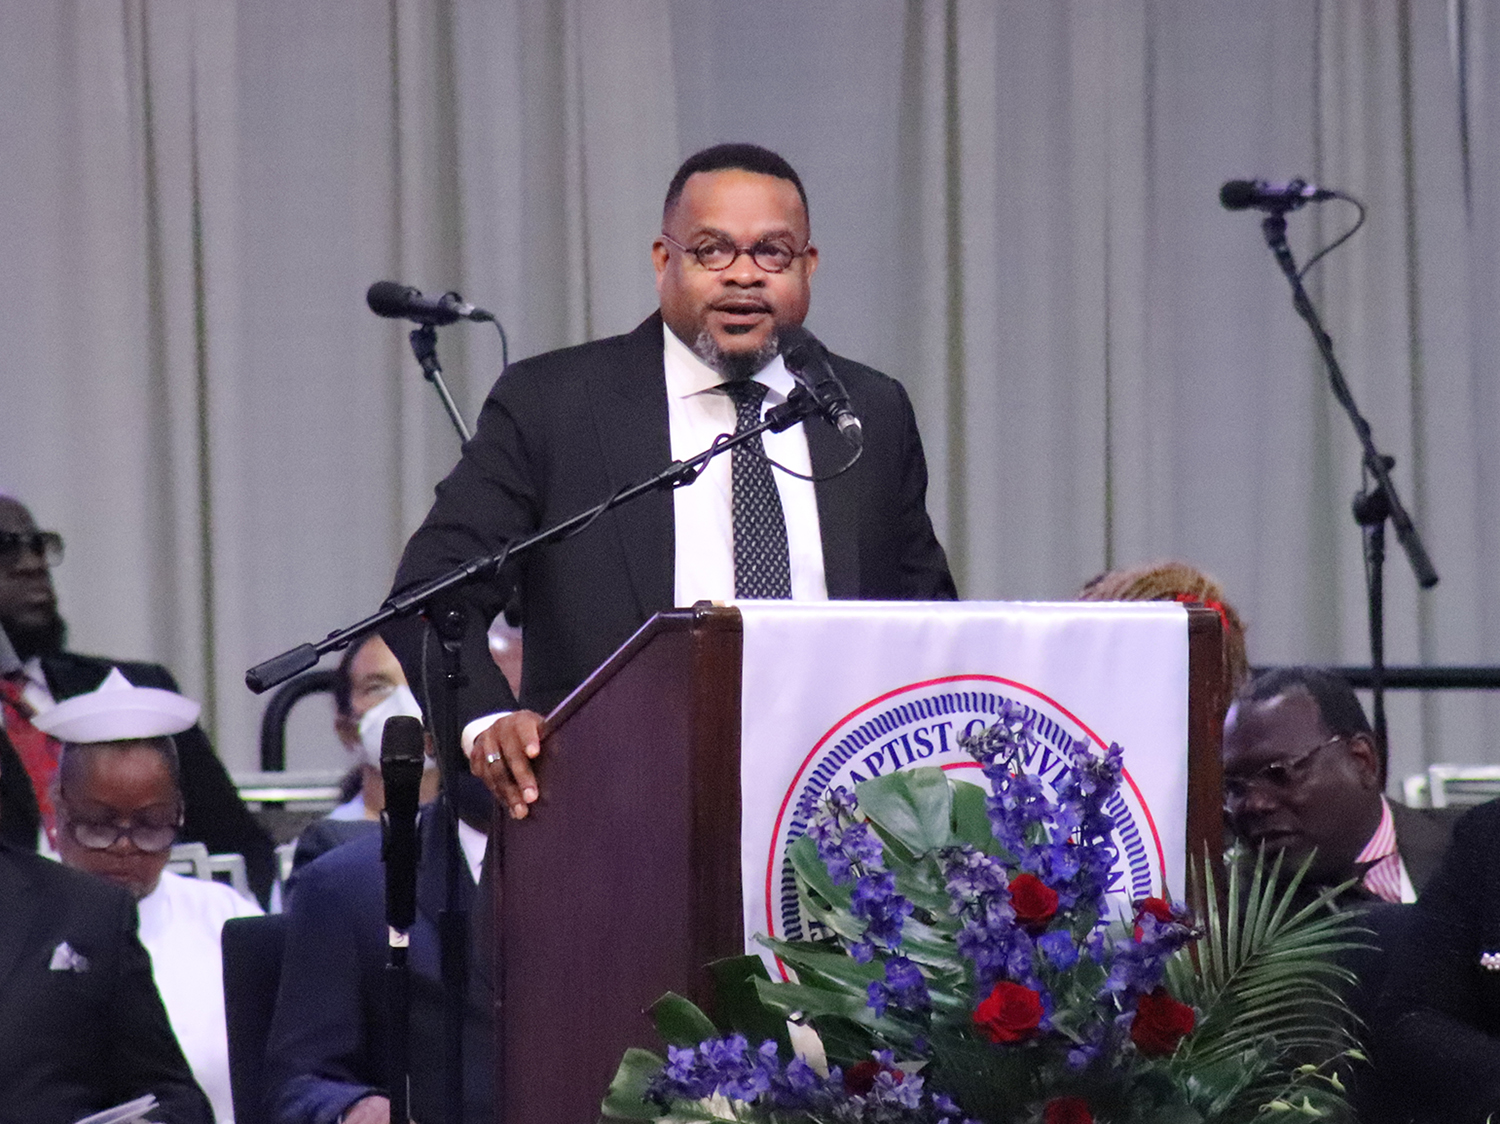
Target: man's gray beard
[(736, 366)]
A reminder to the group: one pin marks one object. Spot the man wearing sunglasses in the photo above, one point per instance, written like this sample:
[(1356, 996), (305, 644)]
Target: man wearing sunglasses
[(48, 673), (559, 433), (1303, 775)]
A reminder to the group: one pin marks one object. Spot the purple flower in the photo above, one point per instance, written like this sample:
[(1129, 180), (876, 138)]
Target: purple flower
[(1059, 949), (851, 849), (904, 988), (876, 903)]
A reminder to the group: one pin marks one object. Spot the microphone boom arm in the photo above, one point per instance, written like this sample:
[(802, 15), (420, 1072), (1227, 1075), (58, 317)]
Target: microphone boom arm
[(267, 674)]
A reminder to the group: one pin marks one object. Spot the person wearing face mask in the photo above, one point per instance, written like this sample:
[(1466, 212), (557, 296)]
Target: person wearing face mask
[(119, 809), (368, 688), (327, 1049)]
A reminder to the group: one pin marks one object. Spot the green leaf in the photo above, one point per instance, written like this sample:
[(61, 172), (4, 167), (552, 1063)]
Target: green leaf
[(737, 1004), (913, 807), (680, 1022), (971, 818), (790, 999), (1267, 983), (626, 1099)]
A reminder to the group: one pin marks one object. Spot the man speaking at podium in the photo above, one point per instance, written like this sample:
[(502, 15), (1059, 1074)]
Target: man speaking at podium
[(562, 431)]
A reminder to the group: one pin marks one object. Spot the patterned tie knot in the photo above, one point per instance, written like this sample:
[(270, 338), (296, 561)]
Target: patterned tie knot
[(747, 395)]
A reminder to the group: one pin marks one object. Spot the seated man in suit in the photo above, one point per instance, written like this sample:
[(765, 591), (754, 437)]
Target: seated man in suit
[(326, 1055), (1302, 774), (560, 432), (119, 806), (1437, 1028), (81, 1022), (50, 673)]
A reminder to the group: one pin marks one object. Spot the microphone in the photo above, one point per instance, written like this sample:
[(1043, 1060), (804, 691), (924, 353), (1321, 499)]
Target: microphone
[(1237, 195), (402, 302), (402, 753), (807, 359)]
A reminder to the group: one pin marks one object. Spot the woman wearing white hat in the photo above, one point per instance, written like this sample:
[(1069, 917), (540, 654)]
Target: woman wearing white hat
[(119, 806)]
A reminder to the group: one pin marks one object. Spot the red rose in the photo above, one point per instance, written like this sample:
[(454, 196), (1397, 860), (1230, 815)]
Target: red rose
[(1067, 1110), (1010, 1013), (1158, 908), (1160, 1023), (1034, 901), (859, 1078)]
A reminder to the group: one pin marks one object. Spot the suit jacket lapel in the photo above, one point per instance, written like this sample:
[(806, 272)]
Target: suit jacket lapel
[(20, 904), (629, 402), (67, 677), (838, 509)]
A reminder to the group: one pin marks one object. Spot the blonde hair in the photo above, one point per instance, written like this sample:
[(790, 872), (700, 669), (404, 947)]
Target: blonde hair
[(1177, 581)]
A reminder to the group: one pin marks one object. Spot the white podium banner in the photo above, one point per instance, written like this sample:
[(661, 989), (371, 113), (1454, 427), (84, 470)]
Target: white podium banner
[(837, 692)]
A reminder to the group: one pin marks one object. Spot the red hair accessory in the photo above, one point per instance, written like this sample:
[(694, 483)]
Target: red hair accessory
[(1216, 606)]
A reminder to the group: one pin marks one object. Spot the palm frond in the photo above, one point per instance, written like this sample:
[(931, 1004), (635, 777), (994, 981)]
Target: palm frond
[(1270, 985)]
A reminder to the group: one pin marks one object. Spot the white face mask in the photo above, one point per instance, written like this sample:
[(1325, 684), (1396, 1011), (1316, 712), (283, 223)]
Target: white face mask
[(372, 725)]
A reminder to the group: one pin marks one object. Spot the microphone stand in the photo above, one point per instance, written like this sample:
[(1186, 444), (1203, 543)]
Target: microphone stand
[(449, 626), (268, 673), (1377, 501), (424, 347), (401, 770)]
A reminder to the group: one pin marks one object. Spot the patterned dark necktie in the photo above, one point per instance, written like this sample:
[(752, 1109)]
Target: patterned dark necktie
[(762, 567)]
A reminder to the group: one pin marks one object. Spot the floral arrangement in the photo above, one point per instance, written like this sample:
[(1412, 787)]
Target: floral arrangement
[(970, 974)]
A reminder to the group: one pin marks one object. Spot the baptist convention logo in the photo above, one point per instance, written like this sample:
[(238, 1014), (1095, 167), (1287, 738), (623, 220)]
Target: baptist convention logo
[(920, 725)]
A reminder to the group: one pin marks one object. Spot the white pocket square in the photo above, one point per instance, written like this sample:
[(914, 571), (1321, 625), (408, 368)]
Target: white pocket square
[(64, 959)]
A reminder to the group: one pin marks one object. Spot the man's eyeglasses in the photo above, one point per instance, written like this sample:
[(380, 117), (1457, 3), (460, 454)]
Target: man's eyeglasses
[(153, 837), (47, 544), (1275, 776), (718, 254)]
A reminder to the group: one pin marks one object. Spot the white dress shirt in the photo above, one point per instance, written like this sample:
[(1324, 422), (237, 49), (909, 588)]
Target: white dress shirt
[(180, 924)]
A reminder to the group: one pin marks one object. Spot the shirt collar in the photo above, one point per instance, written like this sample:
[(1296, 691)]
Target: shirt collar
[(1383, 841), (688, 375)]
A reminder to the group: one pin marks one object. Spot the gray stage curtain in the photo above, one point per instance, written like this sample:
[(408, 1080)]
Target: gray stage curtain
[(1016, 204)]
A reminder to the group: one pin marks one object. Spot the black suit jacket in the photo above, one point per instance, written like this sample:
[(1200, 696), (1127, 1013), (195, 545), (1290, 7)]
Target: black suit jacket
[(214, 813), (562, 431), (75, 1042), (1437, 1030), (330, 1033)]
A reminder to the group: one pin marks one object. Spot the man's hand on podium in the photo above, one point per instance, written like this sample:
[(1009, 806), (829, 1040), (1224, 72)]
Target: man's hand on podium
[(502, 757)]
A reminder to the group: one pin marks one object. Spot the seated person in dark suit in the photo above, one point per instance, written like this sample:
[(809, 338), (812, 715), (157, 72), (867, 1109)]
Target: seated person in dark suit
[(216, 816), (326, 1056), (82, 1027), (1437, 1038), (1302, 774)]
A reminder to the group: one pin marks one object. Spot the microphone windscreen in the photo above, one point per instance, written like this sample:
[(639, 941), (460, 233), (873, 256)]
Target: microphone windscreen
[(402, 741), (1236, 195), (389, 298)]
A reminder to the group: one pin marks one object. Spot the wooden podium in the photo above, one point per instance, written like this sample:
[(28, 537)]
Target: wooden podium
[(624, 882)]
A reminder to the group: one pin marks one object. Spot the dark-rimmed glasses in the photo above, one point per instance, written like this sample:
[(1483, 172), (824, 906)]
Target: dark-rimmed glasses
[(47, 544), (1276, 776), (718, 254), (152, 837)]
